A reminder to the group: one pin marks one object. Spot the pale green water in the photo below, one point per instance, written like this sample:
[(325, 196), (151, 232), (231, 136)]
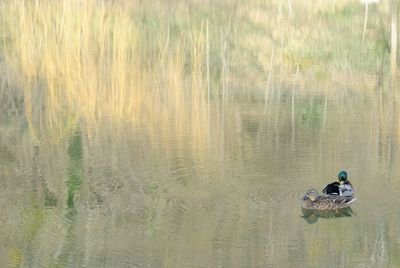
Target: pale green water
[(117, 195), (209, 168)]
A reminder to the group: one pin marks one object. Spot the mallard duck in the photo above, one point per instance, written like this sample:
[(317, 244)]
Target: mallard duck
[(312, 200), (342, 188)]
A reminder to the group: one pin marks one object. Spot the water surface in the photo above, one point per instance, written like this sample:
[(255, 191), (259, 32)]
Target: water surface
[(123, 195), (185, 134)]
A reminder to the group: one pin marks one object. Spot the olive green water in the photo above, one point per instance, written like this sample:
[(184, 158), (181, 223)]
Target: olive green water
[(216, 180), (119, 196)]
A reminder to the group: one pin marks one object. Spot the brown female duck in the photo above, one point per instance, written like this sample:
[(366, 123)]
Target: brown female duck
[(312, 200)]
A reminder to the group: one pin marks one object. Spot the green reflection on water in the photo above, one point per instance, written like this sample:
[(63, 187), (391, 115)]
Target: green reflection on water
[(69, 241), (229, 200), (311, 111), (75, 167)]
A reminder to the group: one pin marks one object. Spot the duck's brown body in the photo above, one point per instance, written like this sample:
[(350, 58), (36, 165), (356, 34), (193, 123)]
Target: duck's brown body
[(312, 200)]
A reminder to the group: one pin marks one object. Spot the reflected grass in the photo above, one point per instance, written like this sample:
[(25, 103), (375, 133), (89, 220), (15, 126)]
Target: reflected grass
[(168, 62), (166, 155), (75, 175), (96, 60)]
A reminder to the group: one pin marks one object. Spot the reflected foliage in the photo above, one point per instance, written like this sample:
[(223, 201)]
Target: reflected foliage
[(179, 133), (74, 168), (311, 110)]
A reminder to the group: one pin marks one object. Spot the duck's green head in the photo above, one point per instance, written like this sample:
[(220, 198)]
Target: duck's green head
[(342, 176)]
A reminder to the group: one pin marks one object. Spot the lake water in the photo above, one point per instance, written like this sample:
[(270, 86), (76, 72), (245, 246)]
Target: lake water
[(115, 193), (185, 133)]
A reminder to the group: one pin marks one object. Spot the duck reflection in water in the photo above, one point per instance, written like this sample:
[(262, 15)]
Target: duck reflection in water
[(311, 215)]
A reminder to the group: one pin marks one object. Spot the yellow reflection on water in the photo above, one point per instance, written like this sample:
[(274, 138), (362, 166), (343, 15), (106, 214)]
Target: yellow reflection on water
[(168, 62), (183, 131)]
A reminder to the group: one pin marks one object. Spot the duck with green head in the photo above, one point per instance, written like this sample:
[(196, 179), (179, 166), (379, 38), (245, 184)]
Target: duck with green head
[(312, 200), (343, 187)]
